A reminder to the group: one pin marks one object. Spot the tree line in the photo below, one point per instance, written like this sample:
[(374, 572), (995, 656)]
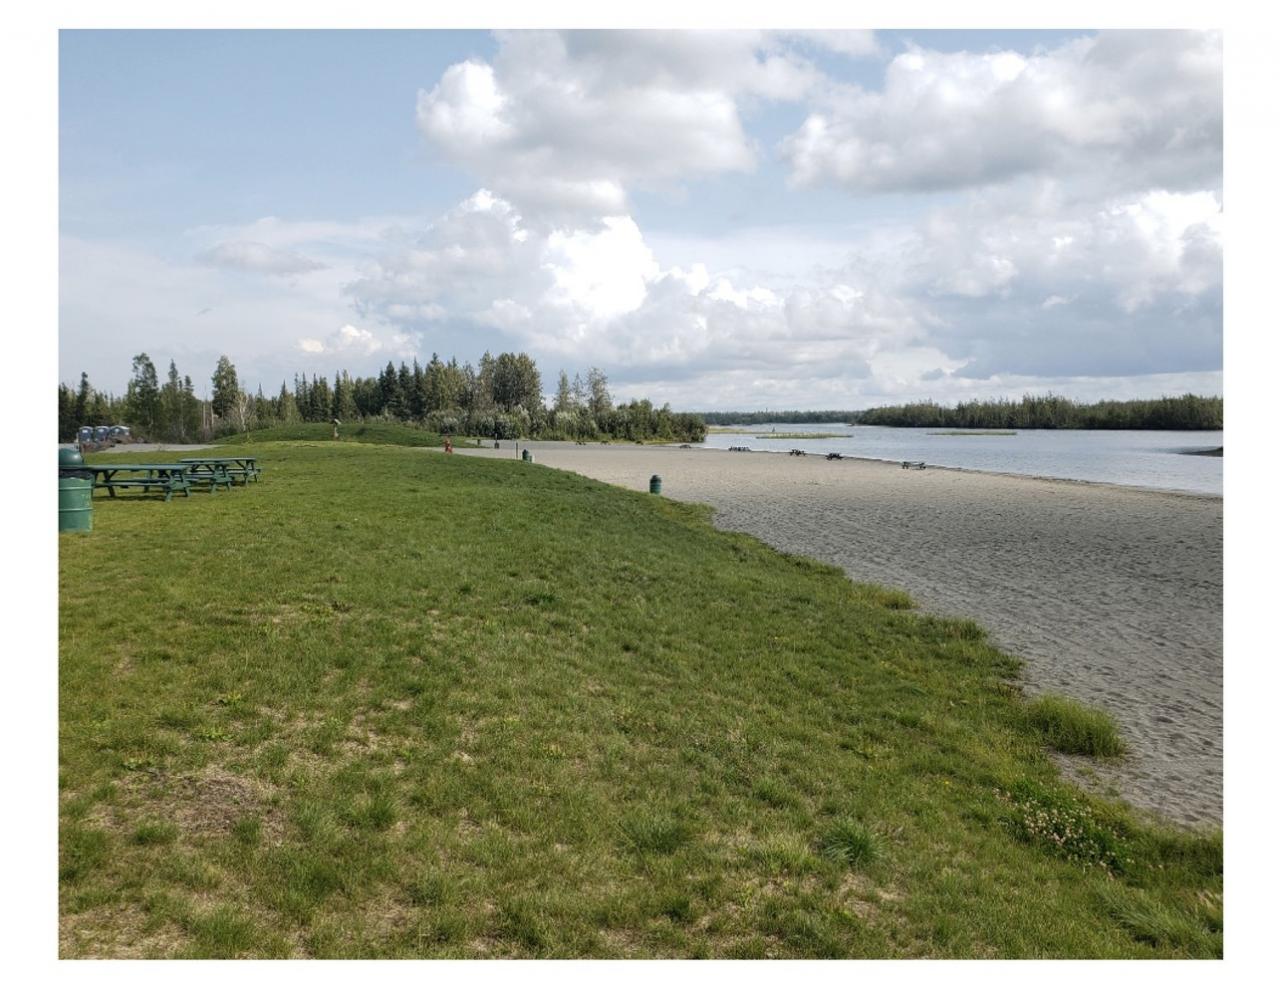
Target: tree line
[(500, 398), (1055, 412), (789, 415)]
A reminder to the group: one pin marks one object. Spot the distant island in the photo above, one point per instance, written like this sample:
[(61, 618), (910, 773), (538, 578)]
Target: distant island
[(1030, 412)]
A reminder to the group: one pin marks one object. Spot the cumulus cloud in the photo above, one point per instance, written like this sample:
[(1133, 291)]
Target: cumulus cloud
[(1039, 284), (600, 295), (563, 122), (1129, 108), (1081, 241), (352, 342), (257, 258)]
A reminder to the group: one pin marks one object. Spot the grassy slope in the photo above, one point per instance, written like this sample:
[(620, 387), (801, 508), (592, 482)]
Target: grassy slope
[(383, 433), (396, 703)]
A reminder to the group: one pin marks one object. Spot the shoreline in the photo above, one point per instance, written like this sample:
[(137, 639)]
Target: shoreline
[(1178, 492), (1111, 594)]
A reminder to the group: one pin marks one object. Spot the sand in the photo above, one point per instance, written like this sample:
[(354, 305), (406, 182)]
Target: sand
[(1111, 595)]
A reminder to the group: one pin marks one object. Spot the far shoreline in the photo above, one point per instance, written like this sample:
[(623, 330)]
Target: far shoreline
[(1178, 492)]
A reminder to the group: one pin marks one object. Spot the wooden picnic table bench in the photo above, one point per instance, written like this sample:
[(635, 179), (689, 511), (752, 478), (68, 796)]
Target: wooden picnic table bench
[(244, 468), (913, 464), (166, 477)]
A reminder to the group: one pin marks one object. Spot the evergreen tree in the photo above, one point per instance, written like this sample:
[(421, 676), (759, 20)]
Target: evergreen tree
[(344, 403), (193, 408), (143, 395), (84, 394), (404, 381), (173, 406), (320, 400), (286, 407), (435, 400), (66, 413), (417, 399), (389, 384)]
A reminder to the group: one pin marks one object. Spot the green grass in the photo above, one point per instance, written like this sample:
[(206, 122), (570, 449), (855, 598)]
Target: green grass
[(1073, 728), (382, 433), (850, 842), (387, 703)]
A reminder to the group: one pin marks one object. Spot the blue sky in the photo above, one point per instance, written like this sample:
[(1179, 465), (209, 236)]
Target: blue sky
[(719, 220)]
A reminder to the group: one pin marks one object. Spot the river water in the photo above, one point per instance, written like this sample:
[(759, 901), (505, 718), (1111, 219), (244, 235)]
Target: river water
[(1141, 458)]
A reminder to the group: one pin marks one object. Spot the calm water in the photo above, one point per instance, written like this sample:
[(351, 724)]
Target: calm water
[(1148, 459)]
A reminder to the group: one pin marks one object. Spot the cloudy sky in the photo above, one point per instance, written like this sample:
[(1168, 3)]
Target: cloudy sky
[(720, 220)]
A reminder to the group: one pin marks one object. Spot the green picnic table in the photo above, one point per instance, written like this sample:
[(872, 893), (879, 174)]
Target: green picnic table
[(166, 477), (245, 468)]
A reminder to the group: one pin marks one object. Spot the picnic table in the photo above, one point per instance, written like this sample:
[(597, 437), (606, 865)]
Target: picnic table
[(245, 468), (166, 477)]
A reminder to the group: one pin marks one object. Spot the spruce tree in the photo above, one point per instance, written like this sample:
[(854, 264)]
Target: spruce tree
[(143, 396)]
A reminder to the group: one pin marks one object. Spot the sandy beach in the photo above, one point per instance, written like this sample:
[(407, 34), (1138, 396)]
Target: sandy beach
[(1111, 595)]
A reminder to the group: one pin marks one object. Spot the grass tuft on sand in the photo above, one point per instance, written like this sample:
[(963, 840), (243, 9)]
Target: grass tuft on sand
[(390, 703), (1074, 729)]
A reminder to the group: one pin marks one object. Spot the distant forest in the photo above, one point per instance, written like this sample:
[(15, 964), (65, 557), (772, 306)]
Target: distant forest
[(1054, 412), (501, 398), (755, 418)]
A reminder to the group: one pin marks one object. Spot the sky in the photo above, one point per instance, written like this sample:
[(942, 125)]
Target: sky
[(720, 220)]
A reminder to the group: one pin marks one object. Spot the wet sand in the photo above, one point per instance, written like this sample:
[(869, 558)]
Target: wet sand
[(1111, 595)]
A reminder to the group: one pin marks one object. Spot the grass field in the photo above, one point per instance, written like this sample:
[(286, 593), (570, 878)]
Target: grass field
[(382, 433), (389, 703)]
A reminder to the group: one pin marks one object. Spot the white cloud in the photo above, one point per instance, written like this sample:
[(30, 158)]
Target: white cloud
[(347, 341), (563, 122), (851, 43), (258, 258), (1086, 248), (1124, 108)]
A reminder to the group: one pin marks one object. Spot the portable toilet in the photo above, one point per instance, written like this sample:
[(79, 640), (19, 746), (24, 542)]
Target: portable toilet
[(100, 434), (84, 435)]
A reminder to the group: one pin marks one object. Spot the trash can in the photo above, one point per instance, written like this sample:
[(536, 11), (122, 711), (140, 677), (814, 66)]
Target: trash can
[(526, 455), (75, 492), (655, 484)]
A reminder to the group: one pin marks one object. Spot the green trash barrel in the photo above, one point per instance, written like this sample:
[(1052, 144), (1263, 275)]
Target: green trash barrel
[(526, 455), (655, 484), (75, 492)]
